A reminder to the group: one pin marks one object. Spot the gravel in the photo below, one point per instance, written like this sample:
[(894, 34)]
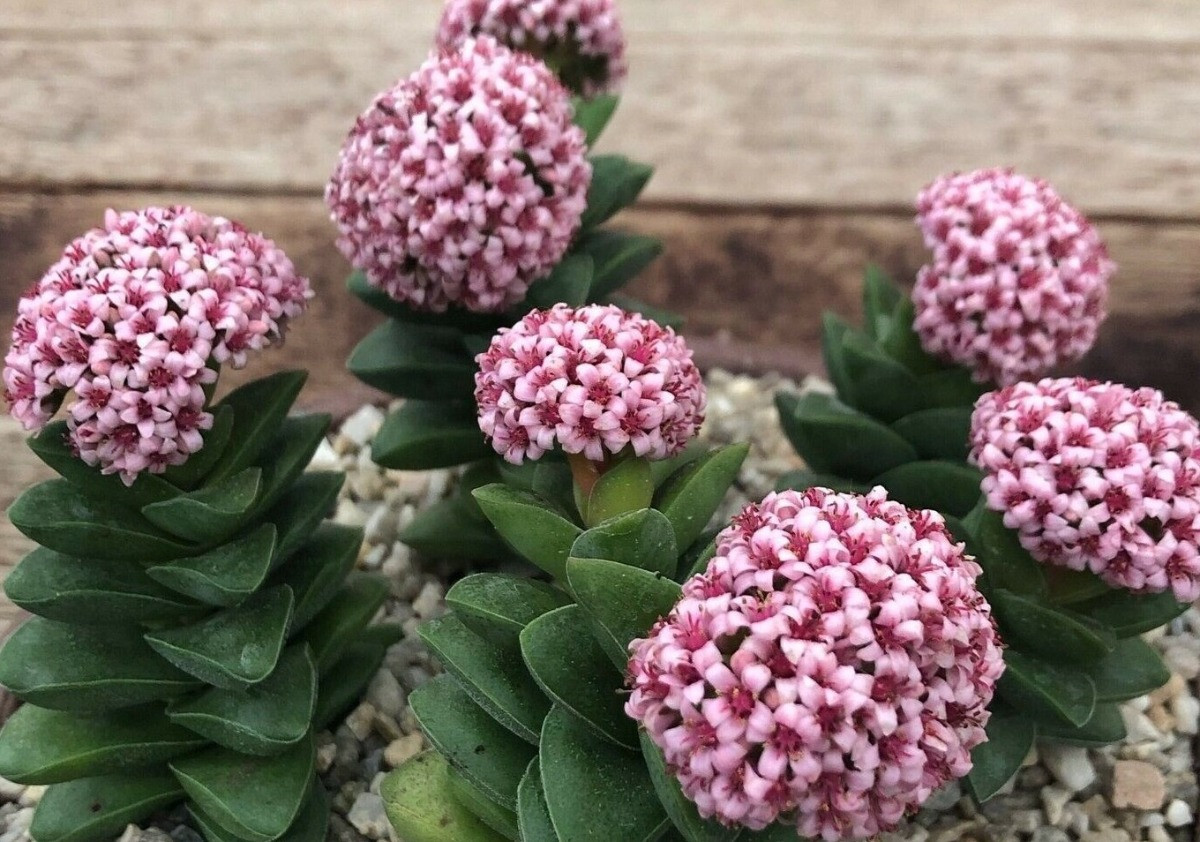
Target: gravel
[(1142, 789)]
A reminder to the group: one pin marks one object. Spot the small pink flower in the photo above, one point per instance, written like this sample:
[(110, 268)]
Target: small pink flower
[(1018, 280), (1096, 476), (831, 667), (594, 380), (132, 319), (464, 183), (581, 39)]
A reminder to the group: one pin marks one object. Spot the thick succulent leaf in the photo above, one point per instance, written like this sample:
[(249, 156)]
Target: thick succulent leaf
[(940, 433), (1010, 735), (89, 809), (41, 746), (491, 756), (311, 825), (1132, 669), (622, 602), (1067, 587), (288, 454), (592, 115), (342, 684), (1032, 685), (568, 283), (1129, 614), (316, 570), (834, 439), (415, 361), (833, 331), (422, 435), (493, 676), (943, 486), (259, 408), (619, 258), (92, 590), (337, 625), (533, 816), (59, 516), (803, 479), (500, 819), (690, 497), (421, 807), (696, 559), (301, 509), (225, 575), (616, 184), (643, 538), (680, 809), (497, 606), (263, 719), (950, 387), (210, 513), (901, 343), (661, 469), (876, 384), (666, 318), (1048, 632), (595, 789), (255, 798), (530, 524), (570, 665), (1105, 727), (1006, 564), (89, 668), (454, 528), (625, 487), (880, 298), (455, 317), (234, 648), (198, 465)]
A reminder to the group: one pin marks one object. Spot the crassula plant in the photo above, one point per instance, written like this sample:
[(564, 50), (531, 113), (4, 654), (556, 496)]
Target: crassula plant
[(194, 621)]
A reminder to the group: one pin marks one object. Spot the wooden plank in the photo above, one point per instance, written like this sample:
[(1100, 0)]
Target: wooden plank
[(821, 104)]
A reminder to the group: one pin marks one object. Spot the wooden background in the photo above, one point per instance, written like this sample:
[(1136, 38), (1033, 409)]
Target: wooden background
[(790, 138)]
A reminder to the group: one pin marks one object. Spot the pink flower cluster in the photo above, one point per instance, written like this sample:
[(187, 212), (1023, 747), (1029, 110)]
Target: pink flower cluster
[(581, 39), (1018, 280), (831, 668), (464, 183), (134, 319), (1096, 476), (592, 380)]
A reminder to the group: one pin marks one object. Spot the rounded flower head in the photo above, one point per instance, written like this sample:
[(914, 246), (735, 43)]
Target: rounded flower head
[(464, 183), (1018, 280), (831, 668), (134, 319), (593, 380), (581, 39), (1096, 476)]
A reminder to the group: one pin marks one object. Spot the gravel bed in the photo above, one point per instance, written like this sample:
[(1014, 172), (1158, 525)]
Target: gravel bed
[(1142, 789)]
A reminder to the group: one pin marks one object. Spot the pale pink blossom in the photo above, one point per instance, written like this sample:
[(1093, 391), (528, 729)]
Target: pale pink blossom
[(1096, 476), (1018, 280), (830, 668)]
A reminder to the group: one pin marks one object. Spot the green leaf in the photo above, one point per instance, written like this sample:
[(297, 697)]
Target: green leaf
[(91, 591), (804, 479), (619, 258), (680, 809), (210, 513), (415, 361), (223, 576), (1050, 633), (592, 115), (941, 433), (1031, 684), (259, 408), (72, 667), (625, 487), (495, 678), (1067, 587), (665, 318), (332, 631), (569, 664), (454, 528), (89, 809), (994, 762), (311, 825), (1004, 561), (455, 318), (479, 747), (644, 539), (421, 807), (234, 648), (623, 602), (497, 606), (1129, 614), (901, 343), (1105, 727), (40, 746), (880, 298), (951, 387), (51, 446), (288, 454), (422, 435), (876, 384), (500, 819), (833, 331), (343, 684), (59, 516), (1132, 669), (834, 439), (318, 568), (530, 524), (948, 487), (255, 798), (568, 284), (198, 465), (696, 560), (533, 816), (301, 509), (690, 497), (594, 789), (616, 184), (264, 719)]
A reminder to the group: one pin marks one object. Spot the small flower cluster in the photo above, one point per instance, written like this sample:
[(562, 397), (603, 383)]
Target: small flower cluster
[(1019, 278), (585, 36), (591, 380), (1096, 476), (831, 667), (135, 318), (464, 183)]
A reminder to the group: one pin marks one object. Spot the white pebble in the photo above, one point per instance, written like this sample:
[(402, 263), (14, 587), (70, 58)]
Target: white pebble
[(362, 426), (429, 601), (325, 458), (385, 693), (367, 816), (360, 719), (1186, 710), (1070, 765), (1178, 813), (402, 749), (381, 526), (10, 791)]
